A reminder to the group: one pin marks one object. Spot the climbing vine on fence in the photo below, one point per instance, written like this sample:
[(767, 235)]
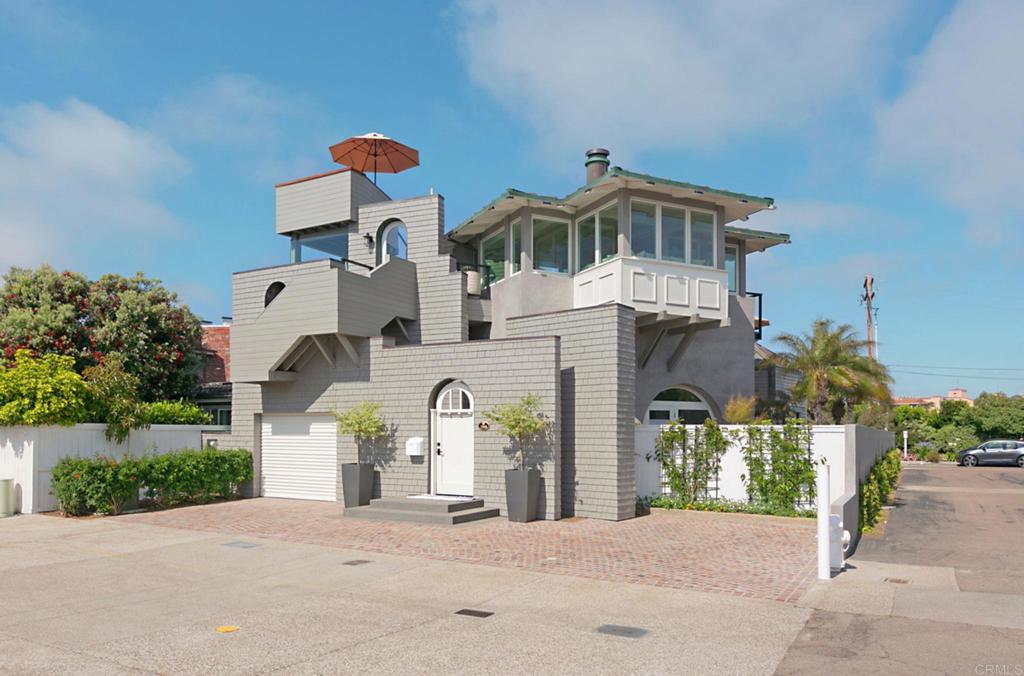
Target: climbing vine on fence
[(780, 467), (690, 458)]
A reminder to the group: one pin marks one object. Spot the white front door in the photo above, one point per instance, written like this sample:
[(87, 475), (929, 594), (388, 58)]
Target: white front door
[(453, 441)]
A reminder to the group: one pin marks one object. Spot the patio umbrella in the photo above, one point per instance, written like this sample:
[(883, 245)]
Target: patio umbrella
[(375, 152)]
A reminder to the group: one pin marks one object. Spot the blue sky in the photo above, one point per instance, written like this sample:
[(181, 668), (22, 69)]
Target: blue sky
[(148, 136)]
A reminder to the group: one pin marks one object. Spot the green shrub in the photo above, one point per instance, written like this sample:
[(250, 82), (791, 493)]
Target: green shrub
[(41, 391), (933, 455), (102, 484), (730, 506), (780, 466), (175, 413), (689, 458), (195, 476), (877, 488)]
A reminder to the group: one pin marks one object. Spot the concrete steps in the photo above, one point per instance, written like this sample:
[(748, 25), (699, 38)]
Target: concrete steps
[(418, 510)]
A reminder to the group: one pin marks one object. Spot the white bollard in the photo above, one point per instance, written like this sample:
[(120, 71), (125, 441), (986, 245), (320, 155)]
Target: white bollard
[(824, 568), (835, 549)]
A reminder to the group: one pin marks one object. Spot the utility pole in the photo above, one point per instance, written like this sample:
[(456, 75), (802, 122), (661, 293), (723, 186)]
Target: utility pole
[(867, 298)]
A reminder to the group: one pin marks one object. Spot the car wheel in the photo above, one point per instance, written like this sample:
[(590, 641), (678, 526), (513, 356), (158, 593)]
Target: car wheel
[(1020, 461), (970, 461)]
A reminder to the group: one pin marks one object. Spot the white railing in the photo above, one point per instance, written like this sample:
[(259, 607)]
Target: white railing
[(654, 286)]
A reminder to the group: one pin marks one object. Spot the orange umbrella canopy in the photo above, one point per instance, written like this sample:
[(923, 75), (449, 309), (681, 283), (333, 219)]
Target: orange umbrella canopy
[(375, 152)]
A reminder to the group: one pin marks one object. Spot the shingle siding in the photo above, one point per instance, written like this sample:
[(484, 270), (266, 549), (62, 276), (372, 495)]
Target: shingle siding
[(403, 379), (597, 404)]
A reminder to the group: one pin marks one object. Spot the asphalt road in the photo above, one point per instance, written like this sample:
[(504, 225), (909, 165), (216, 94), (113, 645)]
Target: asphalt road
[(937, 591), (969, 519)]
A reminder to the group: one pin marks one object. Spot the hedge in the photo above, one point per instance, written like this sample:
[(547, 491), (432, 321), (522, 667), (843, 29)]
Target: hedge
[(877, 488), (106, 485)]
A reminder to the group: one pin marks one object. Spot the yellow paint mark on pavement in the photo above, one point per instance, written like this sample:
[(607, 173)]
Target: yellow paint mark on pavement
[(226, 629)]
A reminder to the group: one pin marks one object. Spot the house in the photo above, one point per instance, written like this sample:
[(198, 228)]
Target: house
[(934, 402), (624, 301), (213, 392)]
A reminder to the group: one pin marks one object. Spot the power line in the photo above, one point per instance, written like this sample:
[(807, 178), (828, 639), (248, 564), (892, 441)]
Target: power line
[(955, 376), (955, 368)]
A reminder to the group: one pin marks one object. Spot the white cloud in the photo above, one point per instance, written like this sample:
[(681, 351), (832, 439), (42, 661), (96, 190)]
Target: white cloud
[(42, 22), (229, 109), (73, 177), (640, 76), (958, 124)]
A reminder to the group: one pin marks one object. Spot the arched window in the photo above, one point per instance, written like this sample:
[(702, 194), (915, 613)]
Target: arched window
[(455, 398), (272, 291), (393, 241), (678, 403)]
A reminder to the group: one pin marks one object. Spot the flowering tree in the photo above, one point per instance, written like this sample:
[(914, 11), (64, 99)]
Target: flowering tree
[(63, 313)]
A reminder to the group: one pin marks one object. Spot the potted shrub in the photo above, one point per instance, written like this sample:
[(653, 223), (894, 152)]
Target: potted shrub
[(361, 422), (522, 422)]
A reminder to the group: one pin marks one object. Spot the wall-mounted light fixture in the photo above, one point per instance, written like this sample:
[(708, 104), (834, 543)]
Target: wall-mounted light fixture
[(369, 239)]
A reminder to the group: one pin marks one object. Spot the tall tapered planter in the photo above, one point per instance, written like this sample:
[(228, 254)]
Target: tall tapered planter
[(522, 490), (357, 483)]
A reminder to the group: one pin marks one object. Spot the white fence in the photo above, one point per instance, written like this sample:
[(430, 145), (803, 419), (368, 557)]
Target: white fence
[(28, 454), (849, 450)]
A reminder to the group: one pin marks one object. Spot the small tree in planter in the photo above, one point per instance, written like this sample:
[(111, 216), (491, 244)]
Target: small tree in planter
[(522, 422), (361, 422)]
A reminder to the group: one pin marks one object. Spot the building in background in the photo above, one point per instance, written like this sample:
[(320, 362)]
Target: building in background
[(214, 391), (935, 401)]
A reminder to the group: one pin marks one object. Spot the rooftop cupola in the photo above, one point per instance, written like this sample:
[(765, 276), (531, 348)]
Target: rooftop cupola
[(597, 163)]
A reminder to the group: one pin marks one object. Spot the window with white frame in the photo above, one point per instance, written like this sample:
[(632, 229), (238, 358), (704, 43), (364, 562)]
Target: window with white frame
[(597, 237), (643, 229), (608, 226), (731, 255), (672, 233), (517, 247), (550, 245), (492, 257)]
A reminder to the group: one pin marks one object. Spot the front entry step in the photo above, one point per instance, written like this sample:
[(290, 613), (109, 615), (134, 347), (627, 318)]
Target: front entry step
[(418, 510)]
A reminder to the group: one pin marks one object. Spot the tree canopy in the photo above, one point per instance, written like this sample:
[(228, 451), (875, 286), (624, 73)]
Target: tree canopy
[(136, 318), (835, 374)]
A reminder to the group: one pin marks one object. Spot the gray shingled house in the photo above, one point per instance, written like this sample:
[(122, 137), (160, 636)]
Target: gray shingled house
[(624, 301)]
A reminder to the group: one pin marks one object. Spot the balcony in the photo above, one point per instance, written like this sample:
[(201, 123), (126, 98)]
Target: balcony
[(289, 315), (324, 199), (653, 286)]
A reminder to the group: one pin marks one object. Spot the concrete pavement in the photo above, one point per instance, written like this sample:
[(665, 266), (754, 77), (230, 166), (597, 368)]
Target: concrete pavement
[(124, 596), (109, 596)]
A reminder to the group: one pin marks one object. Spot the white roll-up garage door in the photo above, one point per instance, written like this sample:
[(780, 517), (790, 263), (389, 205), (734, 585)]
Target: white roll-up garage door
[(299, 457)]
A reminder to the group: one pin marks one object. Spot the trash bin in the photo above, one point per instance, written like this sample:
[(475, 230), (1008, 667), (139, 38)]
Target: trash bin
[(6, 497)]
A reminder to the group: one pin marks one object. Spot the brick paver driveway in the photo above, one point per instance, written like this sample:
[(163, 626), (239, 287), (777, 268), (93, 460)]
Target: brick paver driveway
[(742, 555)]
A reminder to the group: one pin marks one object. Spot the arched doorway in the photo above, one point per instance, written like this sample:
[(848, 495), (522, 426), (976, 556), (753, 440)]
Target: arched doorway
[(393, 242), (452, 430), (678, 404)]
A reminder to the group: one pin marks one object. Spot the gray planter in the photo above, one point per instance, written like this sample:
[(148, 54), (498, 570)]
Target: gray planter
[(522, 488), (357, 483)]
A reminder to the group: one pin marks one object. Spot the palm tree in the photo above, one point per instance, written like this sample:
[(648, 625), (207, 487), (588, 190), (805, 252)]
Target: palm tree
[(834, 371)]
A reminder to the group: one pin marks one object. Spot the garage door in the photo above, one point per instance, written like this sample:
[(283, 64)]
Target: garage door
[(299, 457)]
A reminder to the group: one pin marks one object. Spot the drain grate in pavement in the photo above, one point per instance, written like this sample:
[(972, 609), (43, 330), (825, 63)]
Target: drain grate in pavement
[(356, 562), (620, 630), (469, 612), (241, 545), (897, 580)]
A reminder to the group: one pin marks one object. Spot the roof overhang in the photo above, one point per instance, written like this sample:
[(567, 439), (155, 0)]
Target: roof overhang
[(756, 240), (735, 205)]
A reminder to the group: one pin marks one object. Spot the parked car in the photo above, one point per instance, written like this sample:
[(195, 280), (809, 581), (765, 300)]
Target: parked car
[(995, 452)]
